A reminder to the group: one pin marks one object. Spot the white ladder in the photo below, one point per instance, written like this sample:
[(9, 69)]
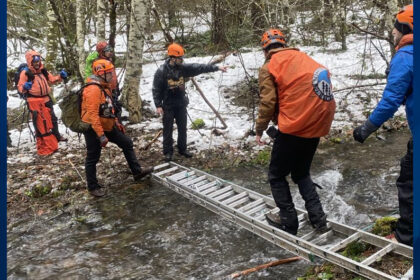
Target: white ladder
[(248, 209)]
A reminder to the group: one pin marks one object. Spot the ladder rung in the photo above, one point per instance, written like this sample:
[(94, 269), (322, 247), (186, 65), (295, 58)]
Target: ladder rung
[(309, 235), (225, 195), (375, 257), (343, 243), (255, 210), (210, 190), (201, 183), (161, 166), (196, 180), (251, 205), (186, 180), (304, 223), (323, 236), (166, 171), (239, 202), (236, 197), (179, 175), (221, 191), (261, 217), (206, 186)]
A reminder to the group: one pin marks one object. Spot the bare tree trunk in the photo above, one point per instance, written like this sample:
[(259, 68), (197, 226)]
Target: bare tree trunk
[(100, 20), (343, 24), (391, 10), (131, 97), (112, 22), (218, 35), (80, 35), (52, 47)]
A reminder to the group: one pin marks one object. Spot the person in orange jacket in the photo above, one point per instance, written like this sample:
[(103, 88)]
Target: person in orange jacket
[(34, 86), (98, 110), (296, 93)]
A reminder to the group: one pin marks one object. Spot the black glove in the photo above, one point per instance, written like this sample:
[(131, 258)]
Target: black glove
[(362, 132)]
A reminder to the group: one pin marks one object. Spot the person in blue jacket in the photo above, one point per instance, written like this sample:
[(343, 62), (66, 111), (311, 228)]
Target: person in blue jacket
[(398, 91)]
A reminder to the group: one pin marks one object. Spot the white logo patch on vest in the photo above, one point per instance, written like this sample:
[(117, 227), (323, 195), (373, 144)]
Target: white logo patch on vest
[(322, 84)]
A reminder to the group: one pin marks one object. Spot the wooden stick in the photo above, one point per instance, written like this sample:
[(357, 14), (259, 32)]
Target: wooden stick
[(208, 103), (153, 140), (77, 171), (263, 266)]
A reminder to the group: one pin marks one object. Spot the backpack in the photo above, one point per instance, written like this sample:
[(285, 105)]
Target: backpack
[(29, 74), (71, 105), (89, 60)]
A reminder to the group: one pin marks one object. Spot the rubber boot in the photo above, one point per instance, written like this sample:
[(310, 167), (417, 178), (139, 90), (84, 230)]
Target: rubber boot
[(288, 215), (316, 214)]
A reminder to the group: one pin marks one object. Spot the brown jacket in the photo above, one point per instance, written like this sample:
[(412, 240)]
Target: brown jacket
[(268, 109)]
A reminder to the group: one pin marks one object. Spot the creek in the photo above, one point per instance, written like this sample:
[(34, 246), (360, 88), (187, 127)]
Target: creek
[(146, 231)]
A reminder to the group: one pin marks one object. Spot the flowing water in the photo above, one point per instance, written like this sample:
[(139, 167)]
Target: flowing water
[(146, 231)]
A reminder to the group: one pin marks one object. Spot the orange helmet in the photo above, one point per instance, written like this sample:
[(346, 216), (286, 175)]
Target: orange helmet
[(405, 16), (175, 50), (272, 36), (102, 66)]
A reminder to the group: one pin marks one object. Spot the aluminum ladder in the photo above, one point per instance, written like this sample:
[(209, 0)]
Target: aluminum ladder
[(248, 209)]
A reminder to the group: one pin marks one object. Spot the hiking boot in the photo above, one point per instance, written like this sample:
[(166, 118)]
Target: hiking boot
[(186, 154), (321, 226), (168, 157), (275, 221), (98, 192), (144, 172)]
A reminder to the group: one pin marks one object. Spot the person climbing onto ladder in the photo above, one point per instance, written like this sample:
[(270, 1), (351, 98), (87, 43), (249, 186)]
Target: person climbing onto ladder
[(296, 93)]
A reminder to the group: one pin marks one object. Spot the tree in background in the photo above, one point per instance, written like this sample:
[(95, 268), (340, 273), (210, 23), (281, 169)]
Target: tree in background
[(131, 97), (100, 20)]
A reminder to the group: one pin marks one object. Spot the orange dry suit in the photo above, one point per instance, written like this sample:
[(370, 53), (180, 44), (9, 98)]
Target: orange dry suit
[(39, 104)]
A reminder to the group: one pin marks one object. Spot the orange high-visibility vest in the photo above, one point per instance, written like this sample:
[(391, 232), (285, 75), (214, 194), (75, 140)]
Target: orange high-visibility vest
[(305, 100)]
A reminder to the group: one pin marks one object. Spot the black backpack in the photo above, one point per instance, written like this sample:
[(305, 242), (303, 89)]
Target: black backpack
[(71, 106)]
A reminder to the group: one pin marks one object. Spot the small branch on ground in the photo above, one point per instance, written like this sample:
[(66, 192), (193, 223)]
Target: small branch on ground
[(263, 266)]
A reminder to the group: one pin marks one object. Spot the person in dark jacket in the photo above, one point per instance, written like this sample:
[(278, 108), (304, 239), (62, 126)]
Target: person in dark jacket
[(170, 98), (398, 91)]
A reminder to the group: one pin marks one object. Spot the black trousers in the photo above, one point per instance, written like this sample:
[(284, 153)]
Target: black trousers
[(94, 148), (293, 155), (54, 120), (179, 113), (404, 231)]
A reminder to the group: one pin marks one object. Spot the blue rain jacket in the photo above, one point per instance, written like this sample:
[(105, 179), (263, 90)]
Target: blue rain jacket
[(399, 89)]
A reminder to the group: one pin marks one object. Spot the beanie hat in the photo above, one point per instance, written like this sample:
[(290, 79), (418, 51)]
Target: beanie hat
[(403, 28)]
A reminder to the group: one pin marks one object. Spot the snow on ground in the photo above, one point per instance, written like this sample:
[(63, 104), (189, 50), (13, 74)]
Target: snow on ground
[(216, 85)]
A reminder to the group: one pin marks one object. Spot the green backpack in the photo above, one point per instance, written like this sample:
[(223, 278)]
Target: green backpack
[(71, 109), (89, 60)]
